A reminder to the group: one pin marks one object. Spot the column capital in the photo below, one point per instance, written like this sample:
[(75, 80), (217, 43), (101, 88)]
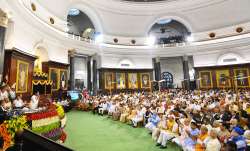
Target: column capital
[(72, 52), (185, 58), (3, 19)]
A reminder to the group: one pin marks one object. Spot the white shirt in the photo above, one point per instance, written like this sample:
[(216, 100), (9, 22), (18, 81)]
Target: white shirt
[(213, 145), (5, 95), (18, 103), (34, 102)]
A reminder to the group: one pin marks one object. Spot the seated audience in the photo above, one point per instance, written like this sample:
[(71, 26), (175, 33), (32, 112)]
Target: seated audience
[(238, 139)]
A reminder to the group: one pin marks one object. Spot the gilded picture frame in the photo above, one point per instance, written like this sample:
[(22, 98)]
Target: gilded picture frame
[(54, 77), (109, 80), (223, 79), (132, 81), (206, 80), (239, 75), (22, 76), (145, 80), (120, 80)]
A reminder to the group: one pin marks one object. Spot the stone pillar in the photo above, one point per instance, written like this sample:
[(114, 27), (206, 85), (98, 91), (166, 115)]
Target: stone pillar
[(94, 68), (157, 68), (72, 69), (89, 84), (3, 28), (186, 73)]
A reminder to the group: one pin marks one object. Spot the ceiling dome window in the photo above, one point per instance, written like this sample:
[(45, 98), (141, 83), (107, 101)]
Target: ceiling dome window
[(79, 24), (168, 31)]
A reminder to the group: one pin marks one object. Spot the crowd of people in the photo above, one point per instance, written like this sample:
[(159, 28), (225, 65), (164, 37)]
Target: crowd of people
[(197, 120)]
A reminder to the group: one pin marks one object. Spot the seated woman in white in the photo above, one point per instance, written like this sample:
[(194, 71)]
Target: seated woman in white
[(18, 102)]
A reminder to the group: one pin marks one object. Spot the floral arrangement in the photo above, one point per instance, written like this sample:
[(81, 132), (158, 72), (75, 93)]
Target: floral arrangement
[(16, 124), (63, 136), (44, 122), (60, 110), (6, 136), (46, 128), (63, 122), (54, 134), (41, 115)]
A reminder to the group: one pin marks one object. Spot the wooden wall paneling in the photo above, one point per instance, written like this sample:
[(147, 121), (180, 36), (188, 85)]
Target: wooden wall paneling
[(46, 66), (11, 57), (102, 72), (231, 69)]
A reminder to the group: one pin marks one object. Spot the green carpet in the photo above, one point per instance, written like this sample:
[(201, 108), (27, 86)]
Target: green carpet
[(88, 132)]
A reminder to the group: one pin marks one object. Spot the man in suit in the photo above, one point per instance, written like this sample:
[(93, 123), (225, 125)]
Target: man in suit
[(2, 111)]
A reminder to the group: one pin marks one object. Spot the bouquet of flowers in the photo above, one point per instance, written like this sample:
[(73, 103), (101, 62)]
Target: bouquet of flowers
[(6, 136)]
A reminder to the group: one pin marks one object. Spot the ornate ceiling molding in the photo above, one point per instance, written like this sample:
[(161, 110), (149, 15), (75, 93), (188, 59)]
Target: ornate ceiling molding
[(3, 18)]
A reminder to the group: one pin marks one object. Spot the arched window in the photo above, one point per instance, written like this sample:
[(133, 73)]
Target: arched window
[(168, 31), (79, 24)]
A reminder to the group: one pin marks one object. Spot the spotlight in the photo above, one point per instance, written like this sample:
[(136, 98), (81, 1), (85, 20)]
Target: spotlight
[(98, 38), (190, 39), (151, 40), (66, 29)]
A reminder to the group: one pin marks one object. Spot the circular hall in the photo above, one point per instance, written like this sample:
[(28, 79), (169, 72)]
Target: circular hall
[(124, 75)]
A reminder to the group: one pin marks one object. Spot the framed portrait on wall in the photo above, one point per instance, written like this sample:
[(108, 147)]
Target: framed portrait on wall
[(241, 77), (63, 79), (132, 81), (206, 79), (22, 76), (120, 81), (223, 79), (54, 77), (145, 80), (109, 80)]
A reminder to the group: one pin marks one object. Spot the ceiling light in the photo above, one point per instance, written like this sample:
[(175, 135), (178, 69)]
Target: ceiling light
[(98, 38), (190, 38), (151, 40), (74, 12)]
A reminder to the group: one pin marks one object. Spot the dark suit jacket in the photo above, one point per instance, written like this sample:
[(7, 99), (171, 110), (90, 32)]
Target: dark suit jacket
[(2, 115)]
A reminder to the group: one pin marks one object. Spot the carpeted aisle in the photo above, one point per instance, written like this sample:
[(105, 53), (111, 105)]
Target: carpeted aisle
[(88, 132)]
